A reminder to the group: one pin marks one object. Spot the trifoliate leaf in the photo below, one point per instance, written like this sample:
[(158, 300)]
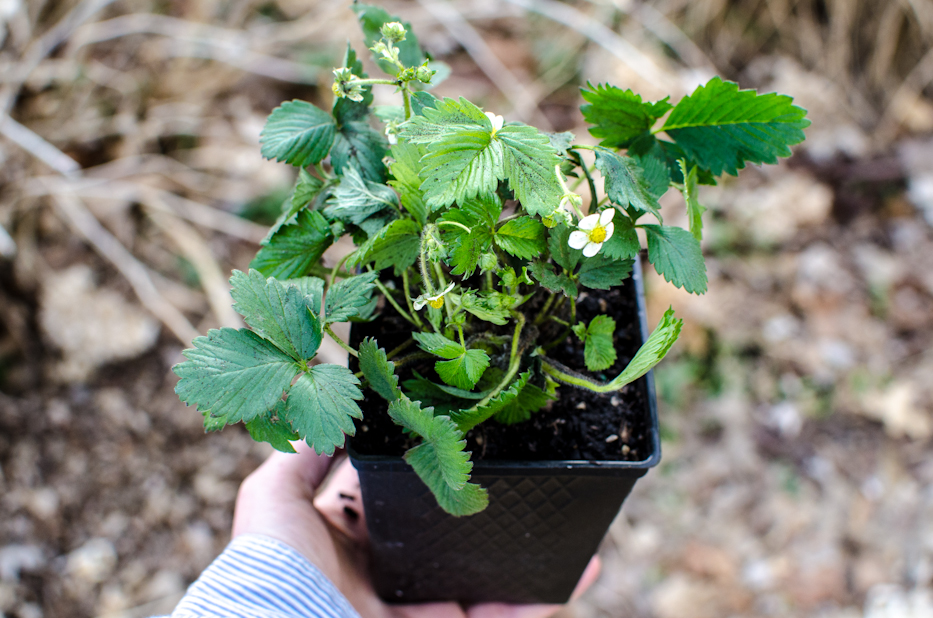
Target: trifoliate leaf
[(523, 237), (295, 247), (463, 371), (529, 161), (471, 417), (677, 255), (625, 182), (379, 372), (466, 248), (356, 200), (544, 274), (398, 245), (561, 252), (724, 127), (443, 398), (349, 297), (694, 209), (321, 406), (656, 173), (407, 182), (488, 306), (599, 353), (278, 312), (463, 163), (602, 272), (272, 429), (441, 118), (234, 373), (311, 288), (359, 145), (307, 187), (529, 400), (298, 133), (624, 243), (371, 20), (652, 351), (439, 345), (619, 116)]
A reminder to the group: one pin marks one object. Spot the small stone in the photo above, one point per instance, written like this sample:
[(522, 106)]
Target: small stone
[(581, 405), (625, 449), (17, 558), (615, 402), (479, 439), (93, 562), (29, 610), (612, 438), (43, 503)]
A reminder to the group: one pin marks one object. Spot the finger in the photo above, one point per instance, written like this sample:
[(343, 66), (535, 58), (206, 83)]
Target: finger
[(341, 503), (427, 610), (304, 468), (504, 610)]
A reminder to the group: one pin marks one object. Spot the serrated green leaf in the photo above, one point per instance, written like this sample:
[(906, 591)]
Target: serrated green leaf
[(463, 371), (311, 288), (234, 373), (213, 423), (359, 145), (625, 182), (529, 400), (523, 237), (442, 117), (624, 243), (349, 297), (295, 247), (307, 187), (298, 133), (421, 100), (321, 406), (371, 20), (492, 307), (439, 345), (602, 272), (471, 417), (529, 161), (561, 142), (356, 200), (652, 351), (677, 256), (443, 398), (617, 116), (398, 245), (694, 209), (463, 164), (724, 127), (599, 353), (561, 252), (379, 372), (544, 275), (407, 181), (466, 248), (277, 312), (656, 173), (272, 429)]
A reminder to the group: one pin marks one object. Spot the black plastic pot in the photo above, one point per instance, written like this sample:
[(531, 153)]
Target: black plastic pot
[(544, 522)]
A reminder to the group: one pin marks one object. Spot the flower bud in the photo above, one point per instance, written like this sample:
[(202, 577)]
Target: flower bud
[(393, 31), (424, 74), (488, 262)]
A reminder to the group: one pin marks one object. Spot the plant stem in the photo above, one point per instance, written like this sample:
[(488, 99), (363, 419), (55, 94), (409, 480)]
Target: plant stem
[(343, 344), (336, 269), (426, 278), (395, 352), (371, 82), (542, 316), (387, 293), (411, 307), (550, 367), (514, 362), (554, 318), (455, 223), (569, 329), (592, 184), (406, 98)]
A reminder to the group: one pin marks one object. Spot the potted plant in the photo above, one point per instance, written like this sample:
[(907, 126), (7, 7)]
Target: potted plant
[(499, 349)]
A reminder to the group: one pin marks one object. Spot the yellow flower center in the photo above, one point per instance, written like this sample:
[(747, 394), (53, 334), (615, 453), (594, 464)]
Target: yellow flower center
[(437, 303), (597, 234)]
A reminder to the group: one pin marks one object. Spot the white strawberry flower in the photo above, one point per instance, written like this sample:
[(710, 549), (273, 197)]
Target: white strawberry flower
[(592, 231), (496, 121), (436, 301)]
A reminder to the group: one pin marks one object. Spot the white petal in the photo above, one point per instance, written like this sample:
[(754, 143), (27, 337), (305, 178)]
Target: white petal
[(606, 216), (419, 303), (578, 239), (447, 289), (592, 249), (609, 229), (496, 120), (588, 222)]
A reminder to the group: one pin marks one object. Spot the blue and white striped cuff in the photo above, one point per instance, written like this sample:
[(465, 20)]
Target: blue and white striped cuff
[(259, 577)]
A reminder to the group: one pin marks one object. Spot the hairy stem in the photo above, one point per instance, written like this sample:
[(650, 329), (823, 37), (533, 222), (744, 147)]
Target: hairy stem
[(456, 224), (542, 315), (343, 344), (589, 180), (388, 295), (396, 351), (411, 307), (514, 362), (406, 98)]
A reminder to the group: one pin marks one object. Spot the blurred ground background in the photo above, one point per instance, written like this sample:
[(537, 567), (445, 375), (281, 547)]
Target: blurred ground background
[(797, 410)]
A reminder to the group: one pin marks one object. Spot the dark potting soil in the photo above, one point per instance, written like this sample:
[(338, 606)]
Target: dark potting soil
[(579, 425)]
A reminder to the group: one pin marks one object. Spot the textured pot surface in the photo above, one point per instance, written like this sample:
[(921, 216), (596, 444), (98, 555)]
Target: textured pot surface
[(544, 522)]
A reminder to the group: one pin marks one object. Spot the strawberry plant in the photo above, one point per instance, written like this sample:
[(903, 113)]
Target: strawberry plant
[(469, 228)]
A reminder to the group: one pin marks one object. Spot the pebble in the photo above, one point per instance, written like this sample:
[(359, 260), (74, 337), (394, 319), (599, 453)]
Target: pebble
[(17, 558), (612, 438), (93, 562), (581, 405)]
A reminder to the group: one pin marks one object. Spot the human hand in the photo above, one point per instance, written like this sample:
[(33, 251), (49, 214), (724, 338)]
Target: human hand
[(278, 500)]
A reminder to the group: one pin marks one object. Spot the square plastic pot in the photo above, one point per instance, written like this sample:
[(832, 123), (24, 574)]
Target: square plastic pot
[(544, 522)]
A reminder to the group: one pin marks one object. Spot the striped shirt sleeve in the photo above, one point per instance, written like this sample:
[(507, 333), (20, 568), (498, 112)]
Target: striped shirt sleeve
[(259, 577)]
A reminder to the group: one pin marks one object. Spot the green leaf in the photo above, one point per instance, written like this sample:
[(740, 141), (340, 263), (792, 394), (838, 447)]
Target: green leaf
[(321, 406), (272, 429), (599, 353), (298, 133), (463, 371), (379, 372), (652, 351), (656, 173), (295, 247), (529, 162), (544, 275), (440, 119), (723, 127), (356, 199), (442, 397), (307, 187), (624, 243), (463, 164), (359, 145), (407, 181), (398, 245), (619, 116), (311, 288), (602, 272), (213, 423), (561, 142), (625, 182), (234, 373), (694, 209), (348, 297), (529, 400), (465, 249), (371, 20), (562, 253), (470, 418), (439, 345), (489, 306), (677, 255), (523, 237), (277, 312)]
